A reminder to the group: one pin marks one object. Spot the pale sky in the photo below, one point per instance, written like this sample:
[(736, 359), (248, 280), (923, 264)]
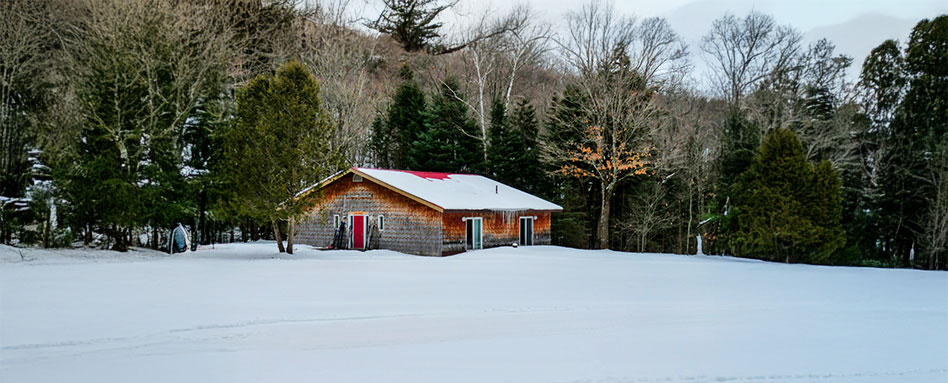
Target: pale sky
[(855, 26)]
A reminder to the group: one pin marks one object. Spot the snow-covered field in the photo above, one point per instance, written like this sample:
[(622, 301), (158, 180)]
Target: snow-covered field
[(540, 314)]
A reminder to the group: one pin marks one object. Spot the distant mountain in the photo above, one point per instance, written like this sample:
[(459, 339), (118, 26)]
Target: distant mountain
[(859, 35)]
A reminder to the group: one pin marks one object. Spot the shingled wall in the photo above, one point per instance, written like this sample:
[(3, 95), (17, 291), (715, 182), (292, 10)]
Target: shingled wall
[(410, 227), (501, 228)]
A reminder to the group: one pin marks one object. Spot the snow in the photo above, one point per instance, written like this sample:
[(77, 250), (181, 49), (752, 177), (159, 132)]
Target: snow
[(453, 191), (242, 313)]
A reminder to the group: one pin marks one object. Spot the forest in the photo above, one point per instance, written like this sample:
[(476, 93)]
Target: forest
[(120, 119)]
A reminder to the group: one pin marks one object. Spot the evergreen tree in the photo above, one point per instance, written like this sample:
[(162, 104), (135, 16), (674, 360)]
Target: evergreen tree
[(579, 198), (824, 208), (278, 147), (506, 150), (410, 22), (741, 140), (782, 209), (513, 153), (882, 84), (450, 142), (739, 145), (917, 130), (525, 127), (380, 143), (394, 134)]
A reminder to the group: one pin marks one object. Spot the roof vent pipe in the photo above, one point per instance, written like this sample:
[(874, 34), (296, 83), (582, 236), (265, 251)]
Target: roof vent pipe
[(495, 189)]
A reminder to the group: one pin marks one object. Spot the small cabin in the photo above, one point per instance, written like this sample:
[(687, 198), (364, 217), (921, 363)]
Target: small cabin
[(424, 213)]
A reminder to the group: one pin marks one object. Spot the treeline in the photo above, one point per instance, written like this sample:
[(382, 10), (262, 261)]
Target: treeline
[(123, 118)]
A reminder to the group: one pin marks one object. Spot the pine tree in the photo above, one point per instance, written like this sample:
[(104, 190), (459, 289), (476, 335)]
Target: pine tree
[(513, 153), (394, 134), (410, 22), (450, 142), (380, 143), (741, 140), (278, 148), (505, 155), (824, 209), (739, 146), (579, 198), (525, 127), (918, 129), (882, 84)]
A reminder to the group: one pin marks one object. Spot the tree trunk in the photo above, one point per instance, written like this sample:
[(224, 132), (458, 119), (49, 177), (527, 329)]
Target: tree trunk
[(603, 229), (291, 232), (276, 235), (688, 228), (49, 220), (202, 218), (254, 232)]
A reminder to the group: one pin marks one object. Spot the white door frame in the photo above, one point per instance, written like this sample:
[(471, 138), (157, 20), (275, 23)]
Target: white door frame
[(480, 233), (520, 231), (352, 228)]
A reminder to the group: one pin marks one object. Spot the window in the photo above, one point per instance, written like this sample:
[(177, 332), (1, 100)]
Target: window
[(356, 178), (381, 222), (335, 222)]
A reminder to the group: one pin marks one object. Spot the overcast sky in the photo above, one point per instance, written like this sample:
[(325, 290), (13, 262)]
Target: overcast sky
[(855, 26)]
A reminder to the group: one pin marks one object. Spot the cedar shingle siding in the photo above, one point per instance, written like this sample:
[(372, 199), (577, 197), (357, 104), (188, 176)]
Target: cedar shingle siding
[(501, 228), (409, 225)]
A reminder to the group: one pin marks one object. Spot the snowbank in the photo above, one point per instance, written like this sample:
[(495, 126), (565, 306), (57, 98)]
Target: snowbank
[(243, 313)]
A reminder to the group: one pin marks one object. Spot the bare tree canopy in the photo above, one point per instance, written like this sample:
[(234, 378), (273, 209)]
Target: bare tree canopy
[(742, 52), (655, 51), (618, 63)]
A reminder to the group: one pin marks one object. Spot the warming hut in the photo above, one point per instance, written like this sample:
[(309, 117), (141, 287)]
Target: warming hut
[(424, 213)]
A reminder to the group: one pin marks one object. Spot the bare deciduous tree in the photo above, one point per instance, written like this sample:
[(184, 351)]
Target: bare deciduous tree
[(24, 74), (498, 51), (742, 52), (343, 60), (621, 106), (525, 45), (935, 237)]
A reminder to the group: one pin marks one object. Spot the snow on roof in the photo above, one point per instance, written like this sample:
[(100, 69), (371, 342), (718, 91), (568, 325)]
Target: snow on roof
[(454, 191)]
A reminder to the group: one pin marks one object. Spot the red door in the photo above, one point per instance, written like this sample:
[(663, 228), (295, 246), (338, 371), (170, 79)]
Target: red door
[(358, 232)]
